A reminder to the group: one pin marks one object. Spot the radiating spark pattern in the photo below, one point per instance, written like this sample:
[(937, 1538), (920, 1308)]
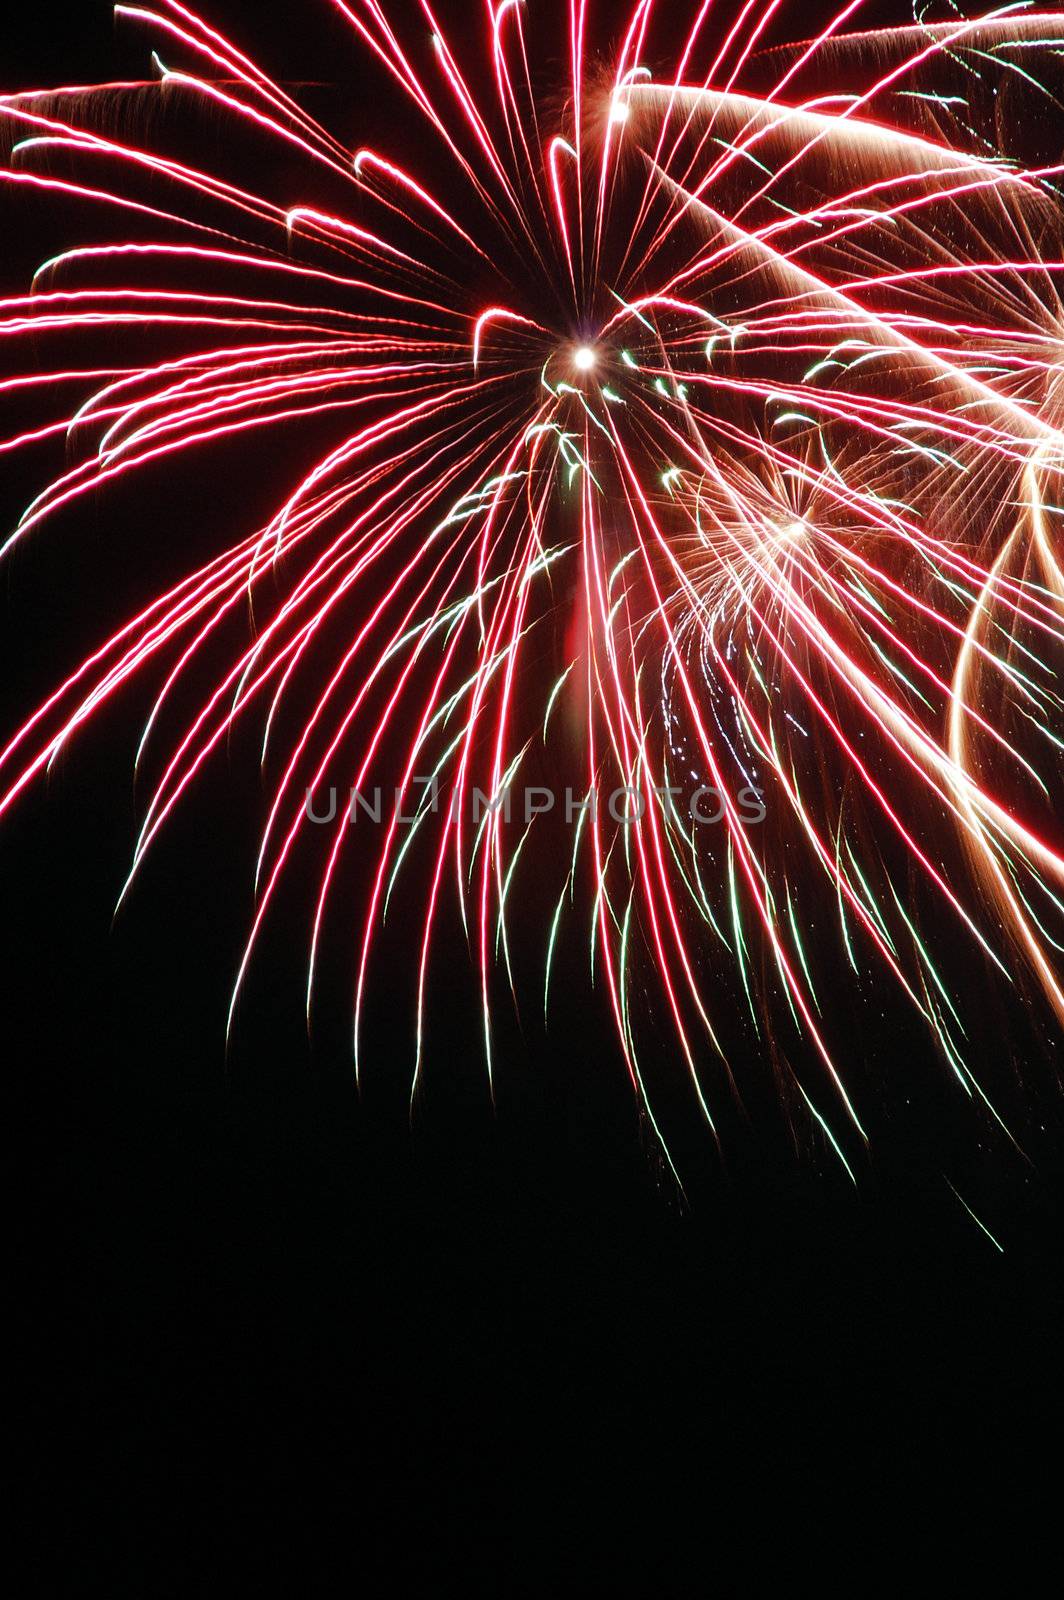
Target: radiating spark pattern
[(692, 407)]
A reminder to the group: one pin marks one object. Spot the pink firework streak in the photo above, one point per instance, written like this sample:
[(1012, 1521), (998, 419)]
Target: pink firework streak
[(690, 418)]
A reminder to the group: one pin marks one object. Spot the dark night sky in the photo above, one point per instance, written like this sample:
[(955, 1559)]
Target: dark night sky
[(268, 1326)]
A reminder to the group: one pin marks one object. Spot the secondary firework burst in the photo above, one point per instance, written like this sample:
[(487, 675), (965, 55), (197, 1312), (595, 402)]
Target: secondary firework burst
[(691, 425)]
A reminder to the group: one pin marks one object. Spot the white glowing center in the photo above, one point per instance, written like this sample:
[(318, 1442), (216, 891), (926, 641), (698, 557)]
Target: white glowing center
[(583, 358)]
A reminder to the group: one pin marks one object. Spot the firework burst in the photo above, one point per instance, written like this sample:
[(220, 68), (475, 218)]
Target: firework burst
[(693, 432)]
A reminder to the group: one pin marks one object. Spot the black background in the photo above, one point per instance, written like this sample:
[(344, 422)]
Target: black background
[(270, 1328)]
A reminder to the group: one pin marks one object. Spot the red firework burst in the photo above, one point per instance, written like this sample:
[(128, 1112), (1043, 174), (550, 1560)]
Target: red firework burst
[(690, 499)]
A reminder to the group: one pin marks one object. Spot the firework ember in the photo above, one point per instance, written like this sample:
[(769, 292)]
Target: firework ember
[(689, 417)]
